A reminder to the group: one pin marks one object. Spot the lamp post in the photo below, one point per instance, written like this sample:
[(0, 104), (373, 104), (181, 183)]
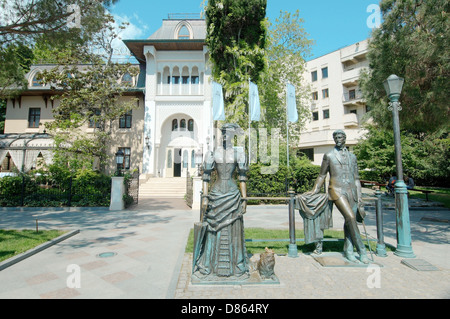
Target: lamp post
[(198, 160), (393, 86), (119, 161)]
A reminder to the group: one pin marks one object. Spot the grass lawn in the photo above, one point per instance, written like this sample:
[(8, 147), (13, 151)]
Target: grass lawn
[(439, 194), (282, 246), (14, 242)]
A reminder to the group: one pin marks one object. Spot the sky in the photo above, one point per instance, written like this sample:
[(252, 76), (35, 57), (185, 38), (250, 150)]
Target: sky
[(332, 24)]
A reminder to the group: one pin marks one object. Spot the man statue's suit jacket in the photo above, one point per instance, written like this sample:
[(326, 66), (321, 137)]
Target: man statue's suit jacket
[(343, 174)]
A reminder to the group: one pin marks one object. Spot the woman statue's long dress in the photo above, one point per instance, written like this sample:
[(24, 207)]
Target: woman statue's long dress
[(223, 252)]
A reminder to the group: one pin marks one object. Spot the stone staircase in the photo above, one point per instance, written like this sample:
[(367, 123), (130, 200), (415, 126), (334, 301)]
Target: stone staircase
[(171, 187)]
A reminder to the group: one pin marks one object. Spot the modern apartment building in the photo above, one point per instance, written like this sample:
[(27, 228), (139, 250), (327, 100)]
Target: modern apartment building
[(336, 101)]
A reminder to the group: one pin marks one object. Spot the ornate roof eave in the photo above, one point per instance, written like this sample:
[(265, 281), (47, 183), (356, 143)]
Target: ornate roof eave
[(137, 46)]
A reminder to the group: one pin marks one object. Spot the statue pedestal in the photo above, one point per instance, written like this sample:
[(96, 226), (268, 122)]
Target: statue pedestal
[(253, 279), (336, 259)]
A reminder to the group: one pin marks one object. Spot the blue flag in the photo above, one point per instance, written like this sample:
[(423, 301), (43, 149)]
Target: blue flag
[(217, 102), (291, 104), (255, 107)]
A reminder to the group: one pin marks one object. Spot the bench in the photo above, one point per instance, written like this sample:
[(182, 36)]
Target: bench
[(423, 191), (364, 182)]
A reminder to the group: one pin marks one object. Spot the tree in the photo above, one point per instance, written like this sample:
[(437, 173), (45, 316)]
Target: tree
[(26, 23), (236, 37), (287, 47), (23, 20), (2, 116), (425, 160), (89, 94), (412, 42), (15, 60)]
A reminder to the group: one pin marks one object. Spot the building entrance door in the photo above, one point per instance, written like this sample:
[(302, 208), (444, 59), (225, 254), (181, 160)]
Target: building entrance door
[(177, 163)]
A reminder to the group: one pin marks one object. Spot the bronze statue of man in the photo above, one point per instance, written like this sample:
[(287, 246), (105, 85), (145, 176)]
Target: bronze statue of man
[(345, 192)]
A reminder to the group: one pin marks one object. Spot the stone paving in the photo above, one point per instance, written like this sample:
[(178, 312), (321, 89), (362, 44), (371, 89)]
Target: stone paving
[(150, 260), (305, 278)]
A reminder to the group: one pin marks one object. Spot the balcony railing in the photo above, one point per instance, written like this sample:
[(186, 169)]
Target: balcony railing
[(352, 96), (179, 89)]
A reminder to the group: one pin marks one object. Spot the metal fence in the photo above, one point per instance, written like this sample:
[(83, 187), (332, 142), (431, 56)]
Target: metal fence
[(132, 188), (189, 190)]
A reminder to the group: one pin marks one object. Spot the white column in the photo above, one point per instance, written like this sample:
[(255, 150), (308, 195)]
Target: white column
[(149, 158), (148, 165), (196, 196)]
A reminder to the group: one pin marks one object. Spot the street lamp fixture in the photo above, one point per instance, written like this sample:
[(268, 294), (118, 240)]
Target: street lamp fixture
[(393, 86), (119, 161)]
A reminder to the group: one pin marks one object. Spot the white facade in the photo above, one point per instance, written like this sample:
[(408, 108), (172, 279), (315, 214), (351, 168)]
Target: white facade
[(336, 101), (177, 120)]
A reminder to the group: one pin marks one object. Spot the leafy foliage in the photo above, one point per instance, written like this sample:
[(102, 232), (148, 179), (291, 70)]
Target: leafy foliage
[(39, 26), (287, 47), (425, 160), (300, 176), (412, 43), (56, 187), (89, 95), (236, 35)]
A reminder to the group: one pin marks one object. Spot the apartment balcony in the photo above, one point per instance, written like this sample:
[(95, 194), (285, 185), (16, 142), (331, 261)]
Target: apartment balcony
[(353, 98), (353, 57), (350, 120), (350, 77)]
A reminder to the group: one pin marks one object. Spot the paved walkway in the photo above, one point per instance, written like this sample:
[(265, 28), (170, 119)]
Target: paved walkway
[(148, 259)]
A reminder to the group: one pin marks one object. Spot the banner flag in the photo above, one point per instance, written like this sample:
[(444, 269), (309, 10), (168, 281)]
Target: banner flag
[(255, 107), (217, 102), (291, 106)]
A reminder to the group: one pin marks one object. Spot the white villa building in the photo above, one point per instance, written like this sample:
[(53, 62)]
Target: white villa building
[(177, 116), (161, 136)]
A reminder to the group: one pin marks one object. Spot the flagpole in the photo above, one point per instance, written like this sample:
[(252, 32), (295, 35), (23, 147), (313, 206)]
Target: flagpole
[(249, 123), (287, 126)]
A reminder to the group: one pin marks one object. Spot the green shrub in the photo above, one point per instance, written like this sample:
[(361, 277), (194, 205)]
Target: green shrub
[(55, 188), (300, 176)]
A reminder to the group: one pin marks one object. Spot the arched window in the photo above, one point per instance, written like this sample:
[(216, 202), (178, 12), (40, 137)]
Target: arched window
[(174, 125), (183, 125), (36, 81), (191, 125), (183, 33), (127, 79)]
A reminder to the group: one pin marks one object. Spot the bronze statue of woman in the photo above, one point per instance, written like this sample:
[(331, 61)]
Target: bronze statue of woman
[(221, 249)]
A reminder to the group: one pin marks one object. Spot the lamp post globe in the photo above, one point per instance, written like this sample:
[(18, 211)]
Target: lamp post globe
[(119, 161)]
